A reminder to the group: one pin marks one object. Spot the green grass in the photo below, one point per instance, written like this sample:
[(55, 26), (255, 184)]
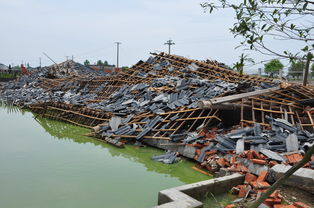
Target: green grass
[(8, 75)]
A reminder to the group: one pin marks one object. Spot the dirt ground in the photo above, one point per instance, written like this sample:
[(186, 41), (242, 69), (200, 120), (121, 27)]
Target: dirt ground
[(293, 194)]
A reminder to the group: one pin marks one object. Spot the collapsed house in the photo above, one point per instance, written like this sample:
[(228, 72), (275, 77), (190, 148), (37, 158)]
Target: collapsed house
[(199, 109)]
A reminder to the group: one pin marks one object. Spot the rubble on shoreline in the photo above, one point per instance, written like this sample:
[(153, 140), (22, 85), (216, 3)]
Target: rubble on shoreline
[(225, 121)]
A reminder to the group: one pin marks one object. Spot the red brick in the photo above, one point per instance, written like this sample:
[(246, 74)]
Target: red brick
[(262, 176), (283, 206), (230, 206), (243, 189), (271, 202), (257, 161), (249, 155), (211, 152), (256, 155), (294, 158), (260, 185), (232, 160), (250, 177), (300, 205), (272, 163), (242, 168), (275, 194)]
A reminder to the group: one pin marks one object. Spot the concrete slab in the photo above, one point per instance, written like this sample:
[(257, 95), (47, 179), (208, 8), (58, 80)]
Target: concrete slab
[(302, 178), (187, 196)]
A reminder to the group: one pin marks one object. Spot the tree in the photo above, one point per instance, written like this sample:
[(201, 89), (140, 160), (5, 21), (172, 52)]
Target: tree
[(296, 69), (258, 21), (100, 63), (106, 63), (312, 70), (240, 64), (273, 67), (86, 62)]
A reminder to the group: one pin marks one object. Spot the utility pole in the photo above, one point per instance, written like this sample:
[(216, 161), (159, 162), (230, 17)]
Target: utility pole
[(169, 43), (40, 62), (72, 57), (118, 43)]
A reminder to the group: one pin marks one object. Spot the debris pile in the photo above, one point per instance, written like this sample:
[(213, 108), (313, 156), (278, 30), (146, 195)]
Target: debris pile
[(29, 89), (226, 121), (168, 158), (72, 68), (247, 142)]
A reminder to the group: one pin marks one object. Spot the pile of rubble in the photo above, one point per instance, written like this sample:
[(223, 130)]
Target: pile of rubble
[(226, 121), (27, 89)]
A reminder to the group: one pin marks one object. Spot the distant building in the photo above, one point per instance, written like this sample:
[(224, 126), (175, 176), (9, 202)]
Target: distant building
[(107, 69), (3, 67)]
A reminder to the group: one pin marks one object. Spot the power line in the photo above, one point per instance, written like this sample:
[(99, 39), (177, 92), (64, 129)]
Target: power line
[(118, 43), (169, 43)]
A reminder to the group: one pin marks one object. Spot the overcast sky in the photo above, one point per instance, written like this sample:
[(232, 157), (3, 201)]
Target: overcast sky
[(88, 30)]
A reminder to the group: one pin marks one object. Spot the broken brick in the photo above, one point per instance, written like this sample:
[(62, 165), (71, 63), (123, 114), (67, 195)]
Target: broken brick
[(271, 202), (260, 185), (242, 168), (211, 152), (243, 189), (283, 206), (257, 161), (262, 176), (275, 194), (250, 177), (294, 158), (272, 163), (230, 206), (249, 155), (256, 155)]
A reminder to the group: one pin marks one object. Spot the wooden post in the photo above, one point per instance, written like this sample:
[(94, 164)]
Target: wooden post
[(306, 68)]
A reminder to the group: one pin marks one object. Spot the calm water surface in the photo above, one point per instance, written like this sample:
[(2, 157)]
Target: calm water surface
[(46, 163)]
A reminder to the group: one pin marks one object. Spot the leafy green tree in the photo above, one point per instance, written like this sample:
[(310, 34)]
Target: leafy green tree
[(273, 67), (100, 63), (106, 63), (296, 69), (240, 64), (86, 62), (124, 68), (258, 21)]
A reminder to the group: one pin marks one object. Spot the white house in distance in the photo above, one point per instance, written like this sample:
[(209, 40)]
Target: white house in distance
[(3, 67)]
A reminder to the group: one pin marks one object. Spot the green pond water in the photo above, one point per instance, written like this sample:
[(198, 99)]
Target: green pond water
[(46, 163)]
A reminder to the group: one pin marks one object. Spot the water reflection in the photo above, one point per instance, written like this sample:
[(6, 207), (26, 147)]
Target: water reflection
[(10, 108), (181, 170)]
